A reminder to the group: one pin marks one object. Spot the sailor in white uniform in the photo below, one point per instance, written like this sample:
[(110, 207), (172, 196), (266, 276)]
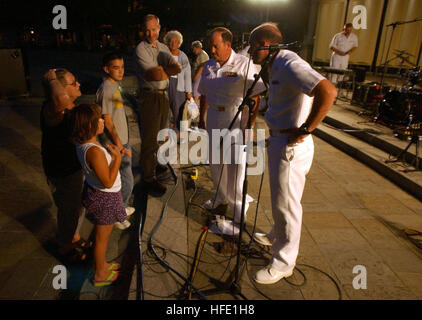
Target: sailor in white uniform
[(222, 88), (299, 98), (342, 45)]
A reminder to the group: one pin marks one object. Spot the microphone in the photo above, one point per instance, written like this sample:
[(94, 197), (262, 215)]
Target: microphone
[(279, 46)]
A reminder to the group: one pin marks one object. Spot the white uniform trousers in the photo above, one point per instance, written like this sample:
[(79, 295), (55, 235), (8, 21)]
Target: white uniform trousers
[(288, 166), (229, 188), (338, 62)]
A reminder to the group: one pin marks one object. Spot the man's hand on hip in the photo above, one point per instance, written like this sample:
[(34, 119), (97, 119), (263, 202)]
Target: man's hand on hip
[(296, 136)]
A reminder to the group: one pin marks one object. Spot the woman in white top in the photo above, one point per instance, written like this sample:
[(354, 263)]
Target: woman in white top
[(101, 196), (180, 85)]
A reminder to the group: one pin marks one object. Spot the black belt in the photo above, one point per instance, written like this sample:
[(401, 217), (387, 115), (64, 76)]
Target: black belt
[(276, 132)]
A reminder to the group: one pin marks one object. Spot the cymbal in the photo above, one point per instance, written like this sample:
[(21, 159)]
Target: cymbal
[(404, 52), (408, 61)]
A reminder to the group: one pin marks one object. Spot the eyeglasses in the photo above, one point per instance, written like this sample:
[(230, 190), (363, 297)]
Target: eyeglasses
[(74, 83)]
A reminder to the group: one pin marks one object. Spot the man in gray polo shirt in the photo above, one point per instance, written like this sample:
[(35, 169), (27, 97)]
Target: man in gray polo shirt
[(154, 65)]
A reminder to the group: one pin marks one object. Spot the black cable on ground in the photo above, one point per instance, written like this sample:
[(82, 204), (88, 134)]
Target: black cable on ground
[(156, 227), (200, 206), (255, 222), (199, 248), (289, 282), (140, 286), (254, 227), (232, 249), (325, 273), (250, 252), (183, 255)]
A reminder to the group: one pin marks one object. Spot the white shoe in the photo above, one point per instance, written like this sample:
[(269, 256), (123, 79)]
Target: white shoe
[(269, 275), (129, 211), (209, 204), (249, 199), (122, 225), (222, 226), (262, 239)]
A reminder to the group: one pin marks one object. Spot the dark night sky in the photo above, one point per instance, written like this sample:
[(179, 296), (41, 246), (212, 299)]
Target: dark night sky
[(192, 17)]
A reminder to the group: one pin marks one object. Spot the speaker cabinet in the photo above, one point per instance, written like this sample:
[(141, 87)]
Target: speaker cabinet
[(12, 81)]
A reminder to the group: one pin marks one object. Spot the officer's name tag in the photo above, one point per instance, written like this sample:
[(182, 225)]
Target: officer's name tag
[(230, 74)]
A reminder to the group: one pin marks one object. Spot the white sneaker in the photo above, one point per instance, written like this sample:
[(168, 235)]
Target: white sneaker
[(129, 211), (209, 204), (122, 225), (222, 226), (269, 275), (262, 239)]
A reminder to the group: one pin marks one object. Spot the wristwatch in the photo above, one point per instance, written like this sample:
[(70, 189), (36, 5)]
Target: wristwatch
[(304, 129)]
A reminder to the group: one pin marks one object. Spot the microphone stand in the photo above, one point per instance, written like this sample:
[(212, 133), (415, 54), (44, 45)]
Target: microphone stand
[(394, 25), (247, 100)]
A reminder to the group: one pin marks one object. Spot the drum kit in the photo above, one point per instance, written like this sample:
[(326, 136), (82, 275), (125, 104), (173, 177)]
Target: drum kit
[(403, 106)]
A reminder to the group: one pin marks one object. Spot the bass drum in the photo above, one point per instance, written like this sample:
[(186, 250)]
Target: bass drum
[(395, 108), (401, 108), (415, 97)]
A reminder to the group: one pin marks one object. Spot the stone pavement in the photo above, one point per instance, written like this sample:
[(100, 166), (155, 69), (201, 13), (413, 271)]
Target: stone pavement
[(350, 129), (352, 216)]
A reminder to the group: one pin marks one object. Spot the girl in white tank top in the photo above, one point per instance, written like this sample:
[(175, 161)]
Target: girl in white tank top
[(90, 175), (101, 197)]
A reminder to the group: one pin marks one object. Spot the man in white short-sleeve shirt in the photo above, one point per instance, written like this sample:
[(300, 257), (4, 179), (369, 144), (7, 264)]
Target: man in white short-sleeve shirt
[(299, 98), (222, 88), (342, 45), (154, 66)]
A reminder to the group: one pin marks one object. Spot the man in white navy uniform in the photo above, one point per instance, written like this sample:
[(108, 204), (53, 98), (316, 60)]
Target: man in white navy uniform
[(342, 45), (222, 87), (299, 98)]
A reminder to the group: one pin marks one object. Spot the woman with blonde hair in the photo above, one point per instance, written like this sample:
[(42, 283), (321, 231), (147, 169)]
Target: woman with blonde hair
[(60, 163)]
